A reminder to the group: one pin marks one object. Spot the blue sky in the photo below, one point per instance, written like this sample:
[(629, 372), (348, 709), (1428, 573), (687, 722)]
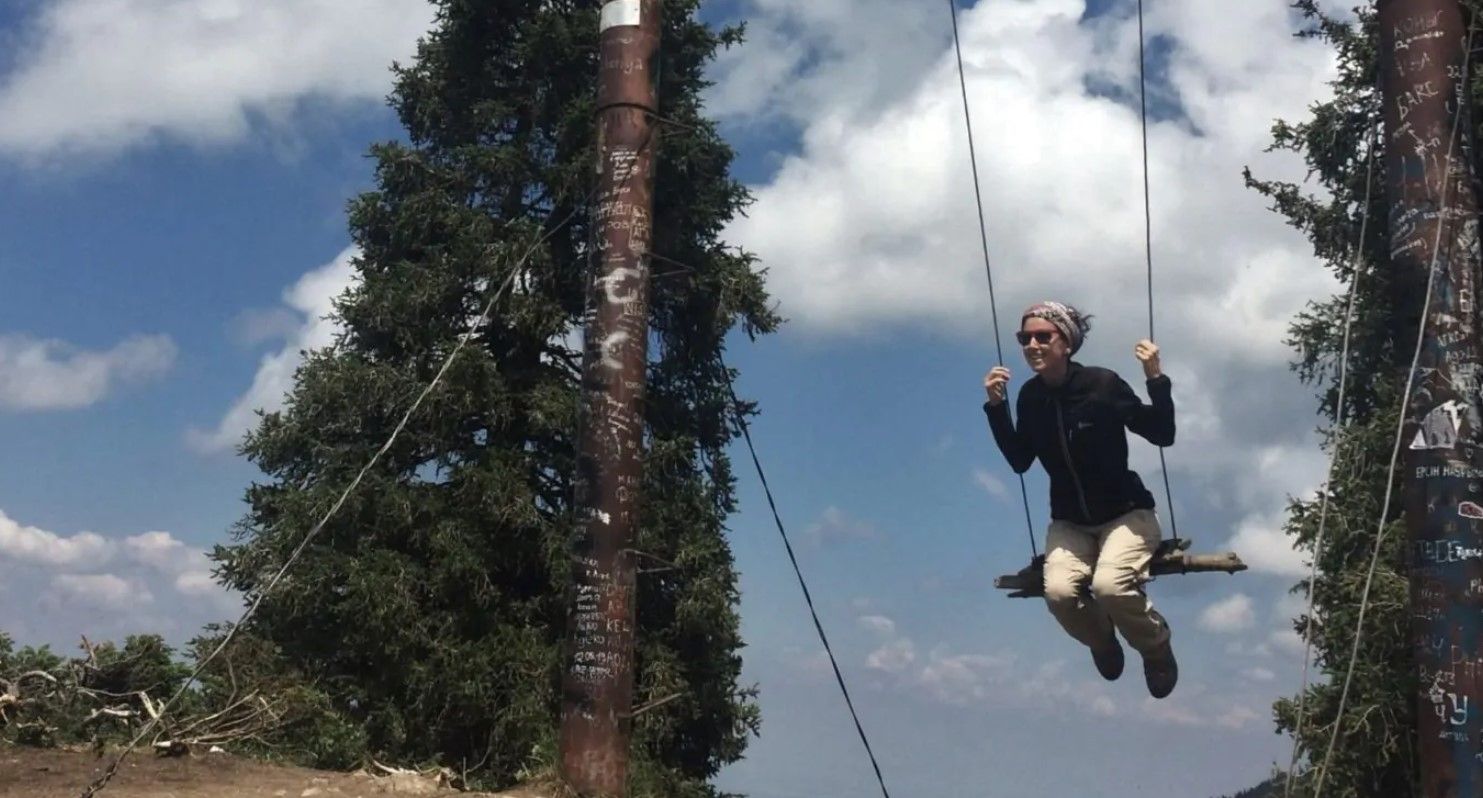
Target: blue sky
[(165, 243)]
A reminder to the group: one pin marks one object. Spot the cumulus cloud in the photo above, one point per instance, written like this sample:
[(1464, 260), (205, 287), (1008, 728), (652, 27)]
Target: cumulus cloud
[(1176, 711), (991, 484), (890, 209), (310, 300), (1287, 641), (100, 76), (879, 624), (107, 592), (29, 544), (259, 325), (40, 374), (811, 662), (834, 526), (169, 561), (104, 587), (1258, 674), (1265, 547), (893, 657), (966, 679), (1229, 615), (823, 58), (961, 679), (198, 584), (1050, 682), (160, 551), (1239, 716)]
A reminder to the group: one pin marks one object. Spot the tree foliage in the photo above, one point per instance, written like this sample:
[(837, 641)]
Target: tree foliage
[(431, 610)]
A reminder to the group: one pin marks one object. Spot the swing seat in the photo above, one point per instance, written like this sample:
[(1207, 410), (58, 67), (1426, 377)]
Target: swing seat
[(1169, 559)]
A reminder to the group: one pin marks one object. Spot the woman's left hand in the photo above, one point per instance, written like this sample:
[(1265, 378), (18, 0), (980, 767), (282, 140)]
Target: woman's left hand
[(1147, 353)]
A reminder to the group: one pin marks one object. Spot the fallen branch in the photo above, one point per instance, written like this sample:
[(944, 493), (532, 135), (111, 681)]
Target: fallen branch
[(12, 696), (110, 712), (437, 776), (243, 719)]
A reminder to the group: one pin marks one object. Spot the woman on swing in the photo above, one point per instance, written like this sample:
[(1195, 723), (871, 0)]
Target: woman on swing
[(1103, 530)]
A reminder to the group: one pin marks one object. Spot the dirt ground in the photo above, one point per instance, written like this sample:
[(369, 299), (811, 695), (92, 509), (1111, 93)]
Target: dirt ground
[(36, 773)]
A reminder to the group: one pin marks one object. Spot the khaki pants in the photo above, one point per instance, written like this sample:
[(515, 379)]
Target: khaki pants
[(1094, 578)]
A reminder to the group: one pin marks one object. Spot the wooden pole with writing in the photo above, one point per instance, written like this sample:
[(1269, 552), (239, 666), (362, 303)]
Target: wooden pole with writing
[(1433, 209), (597, 689)]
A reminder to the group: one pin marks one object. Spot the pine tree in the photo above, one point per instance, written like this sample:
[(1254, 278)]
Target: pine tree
[(431, 609), (1375, 753)]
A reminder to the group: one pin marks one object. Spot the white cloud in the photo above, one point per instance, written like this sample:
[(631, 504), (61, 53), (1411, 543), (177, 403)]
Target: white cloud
[(53, 375), (1263, 546), (28, 544), (1173, 711), (100, 76), (967, 679), (107, 592), (812, 663), (770, 78), (1288, 641), (879, 624), (198, 584), (991, 484), (1196, 707), (893, 657), (1289, 606), (1258, 674), (1229, 615), (108, 587), (311, 300), (1049, 682), (891, 226), (257, 325), (186, 569), (834, 526), (171, 564), (1238, 716), (961, 679), (1003, 680), (160, 551)]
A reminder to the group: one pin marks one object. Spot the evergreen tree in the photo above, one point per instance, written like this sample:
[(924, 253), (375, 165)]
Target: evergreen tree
[(1375, 754), (432, 608)]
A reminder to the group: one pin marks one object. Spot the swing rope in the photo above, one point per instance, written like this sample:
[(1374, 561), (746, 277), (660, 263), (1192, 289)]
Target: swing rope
[(983, 234), (1148, 246)]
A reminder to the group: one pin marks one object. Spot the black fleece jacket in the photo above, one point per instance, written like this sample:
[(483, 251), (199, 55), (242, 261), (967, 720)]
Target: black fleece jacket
[(1076, 429)]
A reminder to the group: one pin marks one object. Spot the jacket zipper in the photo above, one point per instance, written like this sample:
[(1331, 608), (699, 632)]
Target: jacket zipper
[(1066, 452)]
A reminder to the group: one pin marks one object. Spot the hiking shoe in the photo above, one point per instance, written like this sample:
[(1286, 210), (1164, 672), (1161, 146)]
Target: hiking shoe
[(1109, 658), (1160, 671)]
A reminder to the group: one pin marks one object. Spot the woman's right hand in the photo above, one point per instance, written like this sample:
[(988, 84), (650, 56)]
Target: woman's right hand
[(996, 384)]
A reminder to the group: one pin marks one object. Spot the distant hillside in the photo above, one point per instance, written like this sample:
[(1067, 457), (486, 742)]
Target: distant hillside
[(1267, 789)]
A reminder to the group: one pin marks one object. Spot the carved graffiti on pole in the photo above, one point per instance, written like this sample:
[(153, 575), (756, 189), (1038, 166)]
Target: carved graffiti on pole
[(1440, 427)]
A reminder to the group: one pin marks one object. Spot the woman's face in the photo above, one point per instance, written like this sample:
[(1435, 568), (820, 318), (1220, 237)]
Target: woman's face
[(1044, 347)]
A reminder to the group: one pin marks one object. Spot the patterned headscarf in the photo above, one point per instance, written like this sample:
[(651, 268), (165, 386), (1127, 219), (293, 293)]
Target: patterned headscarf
[(1072, 324)]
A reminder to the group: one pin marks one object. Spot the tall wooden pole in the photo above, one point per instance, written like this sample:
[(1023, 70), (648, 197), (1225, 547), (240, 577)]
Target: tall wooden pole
[(1433, 200), (598, 684)]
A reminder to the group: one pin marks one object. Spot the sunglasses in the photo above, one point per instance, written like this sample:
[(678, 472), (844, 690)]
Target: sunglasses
[(1041, 337)]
